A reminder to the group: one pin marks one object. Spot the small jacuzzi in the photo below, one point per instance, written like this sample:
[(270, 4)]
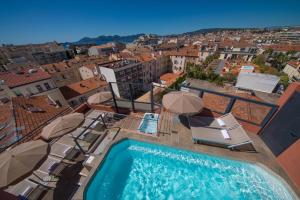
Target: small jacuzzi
[(149, 123)]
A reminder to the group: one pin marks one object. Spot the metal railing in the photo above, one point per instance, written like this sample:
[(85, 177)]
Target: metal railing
[(233, 101), (272, 108)]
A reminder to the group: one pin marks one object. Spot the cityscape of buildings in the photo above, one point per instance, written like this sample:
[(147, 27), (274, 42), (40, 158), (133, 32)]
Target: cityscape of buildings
[(252, 73)]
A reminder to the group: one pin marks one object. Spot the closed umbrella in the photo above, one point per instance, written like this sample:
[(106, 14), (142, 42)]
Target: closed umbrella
[(19, 161), (183, 102), (99, 98), (62, 125)]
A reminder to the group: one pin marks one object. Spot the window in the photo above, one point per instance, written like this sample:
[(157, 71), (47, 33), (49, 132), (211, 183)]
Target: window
[(40, 89), (47, 86)]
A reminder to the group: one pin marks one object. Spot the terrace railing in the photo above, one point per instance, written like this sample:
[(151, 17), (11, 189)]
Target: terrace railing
[(248, 110)]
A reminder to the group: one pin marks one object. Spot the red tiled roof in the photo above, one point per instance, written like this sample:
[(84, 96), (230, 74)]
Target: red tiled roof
[(56, 67), (294, 63), (190, 51), (283, 47), (12, 79), (81, 87), (145, 57), (236, 44), (28, 121), (169, 78)]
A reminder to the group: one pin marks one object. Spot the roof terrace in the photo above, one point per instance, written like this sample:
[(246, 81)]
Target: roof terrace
[(118, 119)]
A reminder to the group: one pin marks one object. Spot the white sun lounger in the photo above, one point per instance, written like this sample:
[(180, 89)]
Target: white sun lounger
[(22, 188), (208, 130), (60, 150)]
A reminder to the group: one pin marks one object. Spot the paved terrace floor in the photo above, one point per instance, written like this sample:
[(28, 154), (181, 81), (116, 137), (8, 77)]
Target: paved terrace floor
[(178, 135)]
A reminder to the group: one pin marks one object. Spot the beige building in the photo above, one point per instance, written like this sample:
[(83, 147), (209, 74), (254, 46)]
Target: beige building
[(292, 69), (34, 82)]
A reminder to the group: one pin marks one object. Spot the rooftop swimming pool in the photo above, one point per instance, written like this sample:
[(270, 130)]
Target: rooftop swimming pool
[(140, 170), (149, 123)]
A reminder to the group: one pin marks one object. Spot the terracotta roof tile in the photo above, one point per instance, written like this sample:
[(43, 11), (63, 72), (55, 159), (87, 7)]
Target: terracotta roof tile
[(81, 87), (283, 47), (12, 79), (294, 63)]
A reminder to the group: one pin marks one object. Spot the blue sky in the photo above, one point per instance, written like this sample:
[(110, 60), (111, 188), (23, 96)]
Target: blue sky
[(35, 21)]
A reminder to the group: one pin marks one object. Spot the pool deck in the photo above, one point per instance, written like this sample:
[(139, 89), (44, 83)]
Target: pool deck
[(177, 134)]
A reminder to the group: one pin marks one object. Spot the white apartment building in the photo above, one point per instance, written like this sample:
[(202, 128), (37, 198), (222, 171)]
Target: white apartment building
[(139, 73), (182, 57), (292, 69)]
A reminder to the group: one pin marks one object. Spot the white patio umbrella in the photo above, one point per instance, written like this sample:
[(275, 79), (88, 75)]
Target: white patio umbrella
[(20, 160), (183, 102), (62, 125), (99, 98)]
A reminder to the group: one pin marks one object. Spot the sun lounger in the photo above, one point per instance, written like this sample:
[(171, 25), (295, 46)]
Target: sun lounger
[(49, 163), (60, 150), (95, 114), (23, 188), (37, 193), (64, 151), (87, 123), (208, 130), (56, 169)]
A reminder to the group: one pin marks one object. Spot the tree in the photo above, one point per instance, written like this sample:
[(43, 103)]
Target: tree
[(210, 58), (259, 60), (284, 80)]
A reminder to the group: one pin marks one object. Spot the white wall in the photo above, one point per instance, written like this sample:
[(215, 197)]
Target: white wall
[(291, 72), (93, 51), (110, 76), (178, 63), (86, 73)]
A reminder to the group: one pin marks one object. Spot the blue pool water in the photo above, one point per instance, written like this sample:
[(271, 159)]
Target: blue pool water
[(139, 170), (247, 67), (149, 123)]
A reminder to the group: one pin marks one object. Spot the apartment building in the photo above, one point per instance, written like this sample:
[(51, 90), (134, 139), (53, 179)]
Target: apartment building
[(33, 82), (32, 53), (207, 49), (181, 57), (106, 49), (50, 57), (62, 73), (292, 69), (231, 49)]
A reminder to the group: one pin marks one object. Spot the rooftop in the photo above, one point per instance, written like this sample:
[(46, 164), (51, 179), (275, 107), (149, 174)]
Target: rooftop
[(189, 51), (56, 67), (173, 131), (29, 114), (81, 87), (257, 81), (283, 47), (12, 79), (294, 63)]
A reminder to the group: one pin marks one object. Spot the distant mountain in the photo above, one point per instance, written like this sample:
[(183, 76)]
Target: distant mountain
[(105, 39)]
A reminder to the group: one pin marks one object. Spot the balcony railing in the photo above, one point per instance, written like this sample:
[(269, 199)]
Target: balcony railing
[(248, 110)]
